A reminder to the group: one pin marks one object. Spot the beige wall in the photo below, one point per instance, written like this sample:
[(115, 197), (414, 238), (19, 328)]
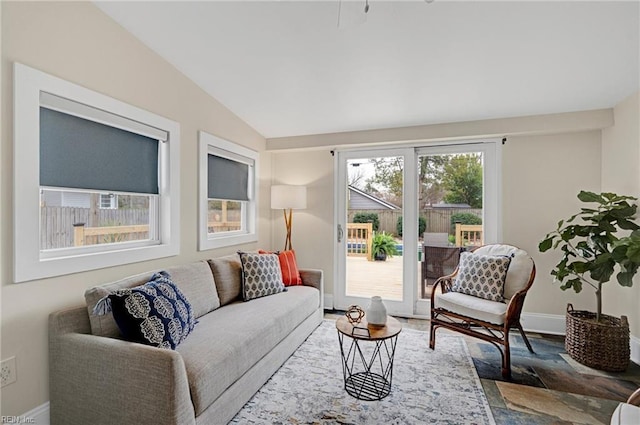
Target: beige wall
[(541, 177), (312, 231), (77, 42), (621, 174), (546, 161), (537, 188)]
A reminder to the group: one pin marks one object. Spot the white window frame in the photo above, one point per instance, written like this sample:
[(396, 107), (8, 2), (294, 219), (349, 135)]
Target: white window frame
[(113, 201), (491, 149), (29, 262), (210, 144)]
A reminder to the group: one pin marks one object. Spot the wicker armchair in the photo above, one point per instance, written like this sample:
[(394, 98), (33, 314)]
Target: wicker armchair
[(488, 320)]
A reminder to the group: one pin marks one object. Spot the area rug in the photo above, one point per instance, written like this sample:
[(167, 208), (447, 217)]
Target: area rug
[(438, 386)]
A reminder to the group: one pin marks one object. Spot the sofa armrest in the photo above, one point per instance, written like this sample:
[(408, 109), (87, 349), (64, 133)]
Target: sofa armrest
[(99, 380), (314, 278)]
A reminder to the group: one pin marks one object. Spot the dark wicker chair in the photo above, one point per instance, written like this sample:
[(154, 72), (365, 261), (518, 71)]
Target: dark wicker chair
[(437, 261), (490, 321)]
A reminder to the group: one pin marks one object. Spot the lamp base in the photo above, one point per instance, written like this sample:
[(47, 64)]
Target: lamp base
[(287, 223)]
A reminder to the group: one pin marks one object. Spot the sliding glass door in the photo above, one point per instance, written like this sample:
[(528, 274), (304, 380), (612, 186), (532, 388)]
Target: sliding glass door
[(403, 215)]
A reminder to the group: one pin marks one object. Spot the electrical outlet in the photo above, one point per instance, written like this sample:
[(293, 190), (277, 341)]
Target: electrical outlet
[(8, 371)]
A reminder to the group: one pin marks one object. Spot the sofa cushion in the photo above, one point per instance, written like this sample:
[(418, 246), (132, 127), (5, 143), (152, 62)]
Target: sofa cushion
[(468, 305), (261, 275), (195, 280), (481, 276), (156, 313), (227, 274), (230, 340)]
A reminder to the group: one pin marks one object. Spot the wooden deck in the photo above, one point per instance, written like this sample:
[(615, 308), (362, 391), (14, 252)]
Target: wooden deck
[(369, 278)]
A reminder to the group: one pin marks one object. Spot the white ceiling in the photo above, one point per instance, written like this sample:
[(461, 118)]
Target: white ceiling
[(287, 69)]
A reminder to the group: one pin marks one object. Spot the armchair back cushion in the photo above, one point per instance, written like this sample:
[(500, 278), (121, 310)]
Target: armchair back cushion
[(194, 280), (519, 269)]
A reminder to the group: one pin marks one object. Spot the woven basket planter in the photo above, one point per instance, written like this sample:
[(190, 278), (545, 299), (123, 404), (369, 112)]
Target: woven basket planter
[(601, 345)]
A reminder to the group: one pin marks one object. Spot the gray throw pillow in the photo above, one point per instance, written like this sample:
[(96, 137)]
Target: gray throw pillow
[(482, 276), (261, 275)]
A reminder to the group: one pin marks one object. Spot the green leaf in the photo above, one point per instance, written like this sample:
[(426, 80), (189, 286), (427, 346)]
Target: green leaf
[(576, 284), (579, 267), (602, 268), (545, 245), (626, 278), (585, 196), (627, 225)]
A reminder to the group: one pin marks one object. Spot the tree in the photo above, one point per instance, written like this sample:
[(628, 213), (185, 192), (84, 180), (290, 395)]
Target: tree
[(356, 178), (430, 169), (388, 175), (462, 180)]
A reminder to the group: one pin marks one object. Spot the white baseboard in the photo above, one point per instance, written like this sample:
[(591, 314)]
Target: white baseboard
[(544, 323), (37, 416), (635, 349), (328, 301)]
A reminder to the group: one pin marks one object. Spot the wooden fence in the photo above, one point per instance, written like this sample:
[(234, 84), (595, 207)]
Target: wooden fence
[(438, 220), (57, 223), (65, 227), (110, 234), (359, 238), (469, 235)]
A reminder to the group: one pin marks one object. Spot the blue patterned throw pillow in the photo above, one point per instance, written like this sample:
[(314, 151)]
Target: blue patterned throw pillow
[(261, 275), (156, 313)]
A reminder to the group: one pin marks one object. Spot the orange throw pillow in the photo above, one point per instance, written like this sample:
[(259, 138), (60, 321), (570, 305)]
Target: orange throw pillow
[(289, 267)]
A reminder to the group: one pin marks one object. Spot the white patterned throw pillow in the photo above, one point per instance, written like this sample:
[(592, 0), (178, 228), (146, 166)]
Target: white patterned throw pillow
[(482, 276), (261, 275)]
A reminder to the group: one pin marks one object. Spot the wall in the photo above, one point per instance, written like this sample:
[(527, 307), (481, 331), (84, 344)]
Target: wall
[(538, 188), (541, 177), (77, 42), (621, 174), (312, 231)]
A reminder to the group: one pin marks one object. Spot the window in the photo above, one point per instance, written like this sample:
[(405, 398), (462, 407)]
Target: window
[(106, 174), (109, 201), (228, 204)]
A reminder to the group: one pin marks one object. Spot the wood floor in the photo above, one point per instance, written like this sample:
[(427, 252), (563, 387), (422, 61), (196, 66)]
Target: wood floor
[(369, 278)]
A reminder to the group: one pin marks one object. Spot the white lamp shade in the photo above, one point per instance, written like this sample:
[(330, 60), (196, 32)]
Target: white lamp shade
[(288, 196)]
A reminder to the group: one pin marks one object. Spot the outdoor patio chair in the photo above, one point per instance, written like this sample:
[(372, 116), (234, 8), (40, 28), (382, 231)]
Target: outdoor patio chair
[(475, 315), (437, 261)]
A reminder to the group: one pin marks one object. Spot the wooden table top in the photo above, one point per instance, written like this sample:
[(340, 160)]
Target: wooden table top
[(391, 329)]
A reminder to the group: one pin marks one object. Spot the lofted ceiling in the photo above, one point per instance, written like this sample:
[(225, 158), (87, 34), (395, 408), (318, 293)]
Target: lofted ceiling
[(287, 68)]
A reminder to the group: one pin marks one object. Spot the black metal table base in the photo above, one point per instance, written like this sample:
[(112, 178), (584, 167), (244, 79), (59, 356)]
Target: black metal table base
[(367, 377)]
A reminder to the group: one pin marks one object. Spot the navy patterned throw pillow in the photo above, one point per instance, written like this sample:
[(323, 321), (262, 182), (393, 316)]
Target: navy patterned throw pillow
[(261, 275), (156, 313)]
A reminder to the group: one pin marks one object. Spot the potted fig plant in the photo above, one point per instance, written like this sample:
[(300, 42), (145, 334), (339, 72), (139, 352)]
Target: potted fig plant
[(383, 245), (592, 253)]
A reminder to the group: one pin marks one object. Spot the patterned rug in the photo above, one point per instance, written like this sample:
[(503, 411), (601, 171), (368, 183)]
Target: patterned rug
[(429, 387)]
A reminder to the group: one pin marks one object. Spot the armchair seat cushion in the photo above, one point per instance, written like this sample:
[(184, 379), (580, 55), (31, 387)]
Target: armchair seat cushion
[(468, 305)]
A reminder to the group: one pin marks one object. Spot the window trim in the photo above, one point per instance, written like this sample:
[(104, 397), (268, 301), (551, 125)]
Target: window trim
[(29, 264), (210, 144)]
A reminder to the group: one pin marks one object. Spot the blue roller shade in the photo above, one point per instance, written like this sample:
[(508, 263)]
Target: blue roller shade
[(227, 179), (83, 154)]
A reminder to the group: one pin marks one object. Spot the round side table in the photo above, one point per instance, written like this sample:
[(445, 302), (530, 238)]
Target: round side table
[(367, 371)]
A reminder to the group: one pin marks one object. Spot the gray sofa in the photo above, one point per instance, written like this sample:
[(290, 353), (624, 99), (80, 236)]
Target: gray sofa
[(98, 378)]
